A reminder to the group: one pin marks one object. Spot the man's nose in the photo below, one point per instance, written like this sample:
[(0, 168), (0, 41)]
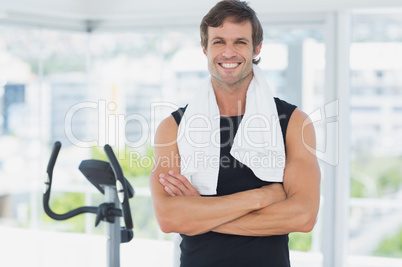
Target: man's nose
[(229, 51)]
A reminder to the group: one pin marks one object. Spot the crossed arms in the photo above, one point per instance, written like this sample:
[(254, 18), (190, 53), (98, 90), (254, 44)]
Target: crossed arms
[(270, 210)]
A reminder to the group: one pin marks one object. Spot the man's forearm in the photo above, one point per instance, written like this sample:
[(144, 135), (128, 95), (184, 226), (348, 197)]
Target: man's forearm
[(297, 213), (195, 215), (277, 219)]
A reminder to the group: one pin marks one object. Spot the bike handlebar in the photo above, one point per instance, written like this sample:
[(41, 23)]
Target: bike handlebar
[(48, 186), (121, 186)]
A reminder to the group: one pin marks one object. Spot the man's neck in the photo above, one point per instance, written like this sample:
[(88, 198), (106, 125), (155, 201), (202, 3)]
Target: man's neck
[(231, 99)]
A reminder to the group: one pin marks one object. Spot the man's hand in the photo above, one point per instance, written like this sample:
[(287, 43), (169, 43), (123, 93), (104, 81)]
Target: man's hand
[(176, 184)]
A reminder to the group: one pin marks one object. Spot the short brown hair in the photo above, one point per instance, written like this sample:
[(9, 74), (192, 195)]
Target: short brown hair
[(240, 12)]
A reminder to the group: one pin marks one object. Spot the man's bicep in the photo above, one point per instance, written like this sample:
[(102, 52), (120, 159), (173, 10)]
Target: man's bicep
[(166, 157), (165, 146), (302, 173)]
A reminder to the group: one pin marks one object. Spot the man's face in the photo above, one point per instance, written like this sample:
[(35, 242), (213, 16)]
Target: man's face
[(230, 52)]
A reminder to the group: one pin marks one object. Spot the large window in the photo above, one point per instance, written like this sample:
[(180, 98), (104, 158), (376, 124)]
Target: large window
[(376, 146)]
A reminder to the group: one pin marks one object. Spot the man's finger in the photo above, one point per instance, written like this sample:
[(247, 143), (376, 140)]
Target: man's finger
[(176, 183), (173, 185), (167, 190), (180, 177), (185, 182)]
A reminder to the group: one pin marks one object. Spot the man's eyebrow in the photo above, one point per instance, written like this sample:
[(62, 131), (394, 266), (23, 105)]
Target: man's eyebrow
[(237, 39), (243, 39)]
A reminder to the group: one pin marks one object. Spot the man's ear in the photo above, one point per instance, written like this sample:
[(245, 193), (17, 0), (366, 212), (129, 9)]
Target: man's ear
[(203, 49), (258, 50)]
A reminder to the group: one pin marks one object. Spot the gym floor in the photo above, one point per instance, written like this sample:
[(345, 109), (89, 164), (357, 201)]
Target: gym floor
[(36, 248)]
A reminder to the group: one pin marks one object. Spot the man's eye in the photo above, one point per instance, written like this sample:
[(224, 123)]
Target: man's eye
[(241, 42)]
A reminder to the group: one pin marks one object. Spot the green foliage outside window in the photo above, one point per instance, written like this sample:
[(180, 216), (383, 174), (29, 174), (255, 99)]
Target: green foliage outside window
[(374, 177), (62, 203), (391, 246), (300, 241), (136, 165), (379, 177)]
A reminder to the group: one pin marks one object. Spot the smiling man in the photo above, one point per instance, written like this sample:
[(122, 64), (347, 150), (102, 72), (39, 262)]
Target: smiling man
[(245, 178), (230, 51)]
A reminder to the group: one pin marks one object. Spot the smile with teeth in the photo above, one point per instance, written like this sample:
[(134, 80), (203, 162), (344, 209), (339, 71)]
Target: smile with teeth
[(229, 65)]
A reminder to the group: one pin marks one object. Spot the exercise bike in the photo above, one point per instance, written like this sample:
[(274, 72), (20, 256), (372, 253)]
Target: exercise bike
[(108, 178)]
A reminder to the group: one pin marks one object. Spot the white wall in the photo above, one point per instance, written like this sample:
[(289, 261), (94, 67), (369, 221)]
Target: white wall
[(156, 13)]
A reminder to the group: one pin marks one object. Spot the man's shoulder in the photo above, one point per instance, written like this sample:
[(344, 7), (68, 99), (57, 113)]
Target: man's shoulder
[(167, 125), (166, 133), (178, 114), (283, 107)]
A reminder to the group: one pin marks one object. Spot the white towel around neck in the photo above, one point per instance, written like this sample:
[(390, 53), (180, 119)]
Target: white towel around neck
[(258, 143)]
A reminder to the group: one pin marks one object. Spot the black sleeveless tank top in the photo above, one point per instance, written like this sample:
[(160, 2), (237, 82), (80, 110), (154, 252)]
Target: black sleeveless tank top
[(214, 249)]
